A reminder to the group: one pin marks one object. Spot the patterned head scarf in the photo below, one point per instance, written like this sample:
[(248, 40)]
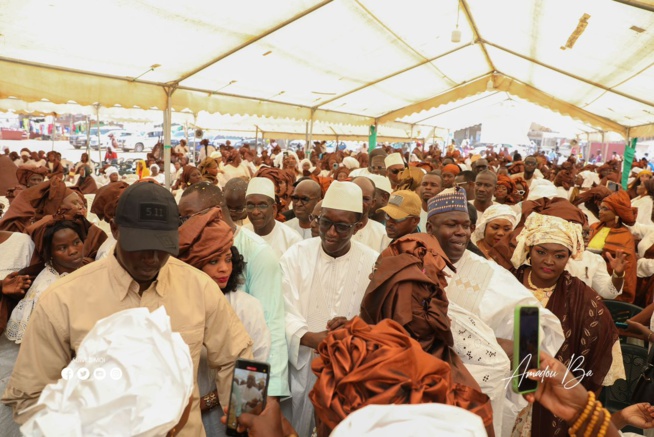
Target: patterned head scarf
[(544, 229), (494, 212)]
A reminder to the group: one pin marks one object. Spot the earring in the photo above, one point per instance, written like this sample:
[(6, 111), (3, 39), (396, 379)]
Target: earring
[(616, 219)]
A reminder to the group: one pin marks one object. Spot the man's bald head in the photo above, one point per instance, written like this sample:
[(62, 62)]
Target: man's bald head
[(208, 194), (235, 198), (305, 196), (368, 189)]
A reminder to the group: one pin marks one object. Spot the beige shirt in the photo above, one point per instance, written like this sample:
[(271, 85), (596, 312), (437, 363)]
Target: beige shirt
[(69, 309)]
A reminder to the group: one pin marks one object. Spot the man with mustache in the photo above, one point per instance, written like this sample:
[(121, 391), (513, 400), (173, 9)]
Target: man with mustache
[(305, 196)]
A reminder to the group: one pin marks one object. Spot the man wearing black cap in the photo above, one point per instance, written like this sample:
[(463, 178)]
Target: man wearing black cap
[(139, 273)]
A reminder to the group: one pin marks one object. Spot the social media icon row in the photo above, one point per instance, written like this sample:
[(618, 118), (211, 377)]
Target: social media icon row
[(99, 374)]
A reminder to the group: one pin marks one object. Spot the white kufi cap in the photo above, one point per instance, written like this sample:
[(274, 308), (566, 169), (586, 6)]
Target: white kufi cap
[(346, 196), (110, 170), (120, 383), (216, 155), (381, 182), (350, 162), (393, 159), (263, 186)]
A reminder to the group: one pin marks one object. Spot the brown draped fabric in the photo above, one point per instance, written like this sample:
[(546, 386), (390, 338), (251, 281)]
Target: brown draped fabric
[(87, 185), (106, 200), (502, 252), (8, 177), (517, 167), (57, 169), (589, 332), (621, 239), (186, 175), (24, 172), (362, 364), (33, 203), (203, 237), (408, 287)]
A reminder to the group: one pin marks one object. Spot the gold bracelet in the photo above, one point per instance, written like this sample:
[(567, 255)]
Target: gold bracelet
[(584, 415), (211, 401), (605, 425), (594, 419)]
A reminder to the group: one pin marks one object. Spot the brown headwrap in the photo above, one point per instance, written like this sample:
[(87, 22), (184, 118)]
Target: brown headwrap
[(86, 184), (186, 175), (106, 200), (452, 168), (204, 236), (517, 167), (507, 182), (519, 180), (278, 177), (363, 364), (24, 172), (620, 204)]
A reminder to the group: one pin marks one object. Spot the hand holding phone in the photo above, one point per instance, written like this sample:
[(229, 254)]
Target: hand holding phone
[(249, 392), (526, 348)]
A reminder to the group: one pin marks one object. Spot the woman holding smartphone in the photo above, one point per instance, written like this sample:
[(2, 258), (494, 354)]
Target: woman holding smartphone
[(591, 345), (207, 243)]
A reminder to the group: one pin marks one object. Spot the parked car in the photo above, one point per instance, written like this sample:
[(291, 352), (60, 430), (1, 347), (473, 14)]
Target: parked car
[(81, 140), (217, 140), (177, 136), (145, 141)]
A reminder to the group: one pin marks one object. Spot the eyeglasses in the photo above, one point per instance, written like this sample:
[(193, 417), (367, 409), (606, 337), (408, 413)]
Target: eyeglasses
[(184, 218), (313, 217), (302, 199), (260, 206), (341, 228), (521, 192), (461, 184), (396, 171)]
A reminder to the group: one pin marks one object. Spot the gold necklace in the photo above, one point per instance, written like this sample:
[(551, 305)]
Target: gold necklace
[(540, 293)]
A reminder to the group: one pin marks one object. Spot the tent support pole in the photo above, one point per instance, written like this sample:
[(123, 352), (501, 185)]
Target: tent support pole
[(310, 133), (97, 117), (167, 124)]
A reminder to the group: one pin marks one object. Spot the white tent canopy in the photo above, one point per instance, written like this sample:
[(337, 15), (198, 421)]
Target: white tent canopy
[(339, 62)]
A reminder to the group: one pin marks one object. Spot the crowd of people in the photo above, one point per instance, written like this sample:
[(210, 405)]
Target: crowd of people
[(365, 279)]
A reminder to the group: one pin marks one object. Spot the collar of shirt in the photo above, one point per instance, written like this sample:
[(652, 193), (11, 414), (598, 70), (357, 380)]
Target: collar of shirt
[(122, 283)]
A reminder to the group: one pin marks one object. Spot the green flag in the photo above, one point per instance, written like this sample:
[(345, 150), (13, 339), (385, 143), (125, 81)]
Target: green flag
[(372, 138), (628, 160)]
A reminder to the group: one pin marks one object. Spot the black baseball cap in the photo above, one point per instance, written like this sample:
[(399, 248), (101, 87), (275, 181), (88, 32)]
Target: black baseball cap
[(148, 219)]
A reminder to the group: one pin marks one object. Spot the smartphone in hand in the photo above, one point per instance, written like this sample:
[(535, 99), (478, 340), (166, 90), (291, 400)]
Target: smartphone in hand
[(249, 392), (526, 348)]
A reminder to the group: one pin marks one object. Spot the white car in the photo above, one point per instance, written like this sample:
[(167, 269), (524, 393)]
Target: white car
[(145, 141)]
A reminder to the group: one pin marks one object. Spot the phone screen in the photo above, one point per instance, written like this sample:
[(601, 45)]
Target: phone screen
[(613, 186), (528, 350), (249, 391)]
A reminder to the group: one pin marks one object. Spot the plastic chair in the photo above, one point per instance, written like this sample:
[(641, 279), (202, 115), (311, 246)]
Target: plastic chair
[(618, 396), (622, 311)]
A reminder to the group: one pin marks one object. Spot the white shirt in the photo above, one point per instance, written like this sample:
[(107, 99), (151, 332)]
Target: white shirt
[(16, 252), (250, 311), (294, 224), (360, 172), (316, 289), (106, 248), (423, 220), (592, 270), (236, 172), (280, 238), (644, 205), (491, 292), (373, 235)]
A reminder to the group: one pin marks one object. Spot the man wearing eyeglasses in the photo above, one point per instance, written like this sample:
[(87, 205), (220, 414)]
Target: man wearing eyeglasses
[(305, 196), (324, 281), (531, 171), (372, 233), (394, 166), (262, 209)]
